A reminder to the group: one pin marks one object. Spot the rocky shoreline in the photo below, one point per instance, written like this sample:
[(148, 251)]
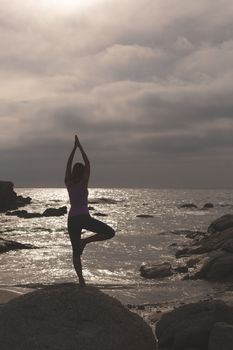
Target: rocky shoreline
[(205, 324)]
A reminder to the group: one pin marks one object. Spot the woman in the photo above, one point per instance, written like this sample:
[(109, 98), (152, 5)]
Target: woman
[(76, 181)]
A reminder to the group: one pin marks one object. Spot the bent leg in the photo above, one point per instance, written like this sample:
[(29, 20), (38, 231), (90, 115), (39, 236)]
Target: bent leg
[(102, 231)]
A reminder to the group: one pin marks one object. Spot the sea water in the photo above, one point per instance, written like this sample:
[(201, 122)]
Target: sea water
[(112, 265)]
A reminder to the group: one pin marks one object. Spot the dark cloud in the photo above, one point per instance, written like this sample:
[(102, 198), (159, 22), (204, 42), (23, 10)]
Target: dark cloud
[(146, 84)]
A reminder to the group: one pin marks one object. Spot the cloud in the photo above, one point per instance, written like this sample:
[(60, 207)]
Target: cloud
[(148, 79)]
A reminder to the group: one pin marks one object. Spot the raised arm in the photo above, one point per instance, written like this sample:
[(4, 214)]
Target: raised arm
[(70, 161), (86, 162)]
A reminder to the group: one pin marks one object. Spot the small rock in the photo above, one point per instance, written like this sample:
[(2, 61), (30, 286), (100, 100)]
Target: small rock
[(7, 245), (208, 206), (181, 269), (55, 211), (188, 206), (100, 214), (156, 271)]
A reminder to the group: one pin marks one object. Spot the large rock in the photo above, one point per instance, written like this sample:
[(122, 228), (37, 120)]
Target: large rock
[(217, 268), (7, 245), (221, 224), (68, 317), (9, 199), (221, 337), (156, 270), (189, 326), (209, 243)]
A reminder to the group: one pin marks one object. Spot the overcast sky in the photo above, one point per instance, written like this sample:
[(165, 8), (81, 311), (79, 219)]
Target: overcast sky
[(146, 84)]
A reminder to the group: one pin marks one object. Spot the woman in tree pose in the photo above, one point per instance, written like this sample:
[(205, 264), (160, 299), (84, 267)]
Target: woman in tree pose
[(76, 180)]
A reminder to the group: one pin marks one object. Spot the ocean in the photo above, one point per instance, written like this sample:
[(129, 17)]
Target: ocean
[(113, 265)]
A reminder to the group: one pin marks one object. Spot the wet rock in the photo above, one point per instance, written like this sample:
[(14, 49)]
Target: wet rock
[(23, 214), (221, 337), (208, 206), (228, 246), (221, 224), (69, 317), (193, 262), (144, 216), (7, 245), (9, 200), (156, 270), (55, 211), (48, 212), (190, 326), (217, 268), (100, 214), (188, 206), (208, 243), (181, 269)]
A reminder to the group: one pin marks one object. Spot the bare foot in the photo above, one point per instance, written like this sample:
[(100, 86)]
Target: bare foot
[(82, 282)]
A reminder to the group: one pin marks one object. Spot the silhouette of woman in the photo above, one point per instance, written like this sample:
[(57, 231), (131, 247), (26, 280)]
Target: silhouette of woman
[(76, 180)]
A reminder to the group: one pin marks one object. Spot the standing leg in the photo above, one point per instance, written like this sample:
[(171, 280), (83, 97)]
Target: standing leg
[(102, 232), (78, 267), (74, 229)]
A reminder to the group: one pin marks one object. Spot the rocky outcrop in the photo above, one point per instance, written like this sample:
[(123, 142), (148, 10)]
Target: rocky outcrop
[(48, 212), (7, 245), (192, 326), (216, 246), (9, 200), (217, 268), (156, 270), (69, 317), (221, 224)]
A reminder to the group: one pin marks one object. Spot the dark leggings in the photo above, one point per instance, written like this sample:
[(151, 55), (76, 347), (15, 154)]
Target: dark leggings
[(85, 221)]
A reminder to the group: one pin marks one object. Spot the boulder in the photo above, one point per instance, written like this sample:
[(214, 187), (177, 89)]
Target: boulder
[(221, 224), (68, 317), (221, 337), (7, 245), (156, 270), (55, 211), (190, 326), (9, 199), (217, 268)]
